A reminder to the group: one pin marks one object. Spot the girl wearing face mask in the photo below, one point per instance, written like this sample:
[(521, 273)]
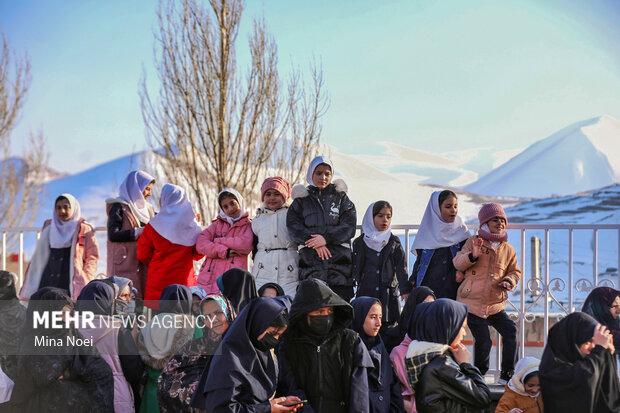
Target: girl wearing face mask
[(227, 242), (180, 377), (127, 216), (379, 264), (383, 385), (323, 361), (441, 235), (244, 377), (578, 371), (522, 393), (66, 253), (275, 259), (488, 265), (322, 220)]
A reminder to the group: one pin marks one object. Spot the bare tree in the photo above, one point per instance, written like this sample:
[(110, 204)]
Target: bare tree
[(20, 177), (213, 127)]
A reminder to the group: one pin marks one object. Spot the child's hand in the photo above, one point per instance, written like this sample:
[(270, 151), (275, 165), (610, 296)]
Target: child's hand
[(477, 247), (601, 336), (316, 241), (611, 346), (515, 410), (234, 253), (323, 253), (505, 285), (198, 218), (461, 354)]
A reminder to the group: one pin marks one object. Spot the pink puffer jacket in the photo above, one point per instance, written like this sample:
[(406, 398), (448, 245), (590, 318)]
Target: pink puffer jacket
[(215, 242)]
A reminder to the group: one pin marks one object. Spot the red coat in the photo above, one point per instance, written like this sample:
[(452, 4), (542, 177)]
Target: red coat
[(168, 264)]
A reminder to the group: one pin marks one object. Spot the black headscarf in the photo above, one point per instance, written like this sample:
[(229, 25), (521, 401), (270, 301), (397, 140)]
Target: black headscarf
[(46, 299), (176, 299), (239, 287), (12, 317), (438, 321), (275, 286), (361, 307), (240, 360), (417, 296), (571, 382), (598, 305), (96, 297), (121, 282)]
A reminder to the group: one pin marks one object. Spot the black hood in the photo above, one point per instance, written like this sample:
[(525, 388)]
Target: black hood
[(313, 294)]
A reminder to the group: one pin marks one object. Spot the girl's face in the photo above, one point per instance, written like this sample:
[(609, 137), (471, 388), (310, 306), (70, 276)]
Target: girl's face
[(586, 348), (615, 308), (372, 323), (273, 199), (148, 191), (322, 176), (429, 299), (215, 319), (125, 295), (63, 210), (460, 336), (532, 385), (383, 219), (449, 208), (497, 225), (230, 206), (270, 292)]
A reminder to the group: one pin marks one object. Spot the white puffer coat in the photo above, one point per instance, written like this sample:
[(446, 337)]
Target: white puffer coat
[(276, 259)]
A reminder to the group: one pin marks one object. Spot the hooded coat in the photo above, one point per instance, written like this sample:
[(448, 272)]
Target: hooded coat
[(439, 382), (276, 257), (328, 212), (241, 377), (384, 388), (515, 395), (571, 382), (61, 378), (330, 371), (215, 242)]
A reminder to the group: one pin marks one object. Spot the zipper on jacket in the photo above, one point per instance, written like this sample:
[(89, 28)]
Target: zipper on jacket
[(318, 356)]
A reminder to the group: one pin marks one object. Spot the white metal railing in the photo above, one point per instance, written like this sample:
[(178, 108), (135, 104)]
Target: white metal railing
[(543, 291)]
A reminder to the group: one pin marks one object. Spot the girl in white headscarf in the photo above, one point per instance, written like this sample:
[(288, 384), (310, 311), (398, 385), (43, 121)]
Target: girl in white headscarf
[(379, 262), (168, 244), (66, 253), (227, 242), (127, 216), (441, 235)]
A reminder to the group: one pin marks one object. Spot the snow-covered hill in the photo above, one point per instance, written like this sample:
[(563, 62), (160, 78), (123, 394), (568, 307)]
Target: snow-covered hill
[(580, 157)]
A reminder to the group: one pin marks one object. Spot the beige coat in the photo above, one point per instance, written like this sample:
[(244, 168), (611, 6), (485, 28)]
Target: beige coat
[(480, 289)]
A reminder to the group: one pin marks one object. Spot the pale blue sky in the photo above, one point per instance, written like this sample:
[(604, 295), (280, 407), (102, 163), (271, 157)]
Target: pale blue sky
[(434, 75)]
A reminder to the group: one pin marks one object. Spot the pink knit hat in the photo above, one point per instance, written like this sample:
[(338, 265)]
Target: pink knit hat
[(279, 184), (490, 211)]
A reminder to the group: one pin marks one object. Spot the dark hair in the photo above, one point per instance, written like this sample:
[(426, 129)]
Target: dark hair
[(445, 194), (529, 376), (224, 195), (281, 320), (60, 198), (379, 205)]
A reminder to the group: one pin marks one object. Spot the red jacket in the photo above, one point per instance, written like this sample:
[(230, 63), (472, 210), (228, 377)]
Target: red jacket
[(168, 264)]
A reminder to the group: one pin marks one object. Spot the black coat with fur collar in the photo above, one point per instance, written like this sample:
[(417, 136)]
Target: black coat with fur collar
[(330, 213)]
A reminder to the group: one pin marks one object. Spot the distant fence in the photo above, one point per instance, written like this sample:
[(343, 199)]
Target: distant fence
[(533, 297)]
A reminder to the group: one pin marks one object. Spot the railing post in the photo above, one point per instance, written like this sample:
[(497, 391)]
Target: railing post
[(407, 252), (4, 251), (570, 269), (522, 308), (618, 267), (21, 259), (595, 258), (547, 287)]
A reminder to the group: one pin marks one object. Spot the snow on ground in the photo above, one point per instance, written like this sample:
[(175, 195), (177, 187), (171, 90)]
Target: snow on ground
[(580, 157)]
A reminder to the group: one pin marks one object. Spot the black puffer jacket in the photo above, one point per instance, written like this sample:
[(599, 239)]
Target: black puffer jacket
[(330, 213)]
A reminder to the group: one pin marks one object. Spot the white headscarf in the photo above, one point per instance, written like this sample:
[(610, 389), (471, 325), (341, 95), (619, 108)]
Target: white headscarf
[(523, 367), (240, 200), (61, 232), (176, 221), (316, 162), (436, 233), (131, 191), (374, 238)]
